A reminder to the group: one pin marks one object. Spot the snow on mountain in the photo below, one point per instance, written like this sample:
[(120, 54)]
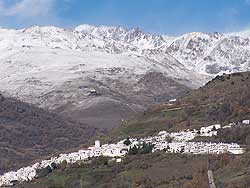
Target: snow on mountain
[(211, 54), (243, 34), (56, 68), (134, 37), (204, 53)]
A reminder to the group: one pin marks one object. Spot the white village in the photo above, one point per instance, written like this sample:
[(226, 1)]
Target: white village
[(175, 142)]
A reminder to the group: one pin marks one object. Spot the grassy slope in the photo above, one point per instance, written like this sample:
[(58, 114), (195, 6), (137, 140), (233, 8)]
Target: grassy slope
[(222, 100), (235, 174), (158, 170)]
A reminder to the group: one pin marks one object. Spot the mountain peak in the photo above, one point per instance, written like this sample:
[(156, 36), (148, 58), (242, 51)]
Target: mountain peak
[(243, 34), (86, 28), (43, 29)]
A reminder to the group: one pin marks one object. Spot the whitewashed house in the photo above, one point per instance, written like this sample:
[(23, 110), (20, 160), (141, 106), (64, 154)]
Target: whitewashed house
[(247, 122)]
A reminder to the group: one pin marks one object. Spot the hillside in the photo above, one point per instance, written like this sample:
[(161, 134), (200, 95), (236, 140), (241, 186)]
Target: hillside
[(55, 68), (149, 171), (234, 173), (222, 100), (225, 99), (146, 171), (29, 134)]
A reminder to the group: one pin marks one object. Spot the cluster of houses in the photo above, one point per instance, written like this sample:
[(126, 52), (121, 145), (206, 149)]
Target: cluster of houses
[(204, 148), (29, 173), (175, 142)]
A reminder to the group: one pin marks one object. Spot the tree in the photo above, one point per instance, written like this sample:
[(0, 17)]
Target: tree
[(127, 142), (44, 172), (53, 165), (133, 151), (146, 148)]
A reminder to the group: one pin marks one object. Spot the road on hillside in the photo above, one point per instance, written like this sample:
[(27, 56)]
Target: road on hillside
[(211, 183), (211, 179)]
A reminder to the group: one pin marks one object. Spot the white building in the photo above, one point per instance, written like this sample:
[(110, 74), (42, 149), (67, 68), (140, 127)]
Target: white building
[(97, 144), (247, 122), (180, 144)]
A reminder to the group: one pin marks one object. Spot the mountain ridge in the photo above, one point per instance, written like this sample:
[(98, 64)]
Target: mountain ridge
[(184, 48), (54, 67)]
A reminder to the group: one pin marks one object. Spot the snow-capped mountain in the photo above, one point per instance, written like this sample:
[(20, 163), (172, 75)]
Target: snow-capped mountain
[(57, 68), (212, 53)]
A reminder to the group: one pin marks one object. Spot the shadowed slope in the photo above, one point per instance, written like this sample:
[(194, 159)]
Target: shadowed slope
[(29, 133)]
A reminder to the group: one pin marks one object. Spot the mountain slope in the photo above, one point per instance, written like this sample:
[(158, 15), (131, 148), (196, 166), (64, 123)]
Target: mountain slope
[(56, 68), (225, 99), (151, 170), (29, 133)]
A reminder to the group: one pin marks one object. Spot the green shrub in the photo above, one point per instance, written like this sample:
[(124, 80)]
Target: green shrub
[(127, 142), (146, 148)]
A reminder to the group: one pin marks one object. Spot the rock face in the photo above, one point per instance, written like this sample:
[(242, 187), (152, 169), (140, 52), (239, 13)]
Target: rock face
[(56, 69)]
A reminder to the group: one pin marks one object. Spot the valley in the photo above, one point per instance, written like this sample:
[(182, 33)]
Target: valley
[(197, 103), (55, 68), (61, 89)]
